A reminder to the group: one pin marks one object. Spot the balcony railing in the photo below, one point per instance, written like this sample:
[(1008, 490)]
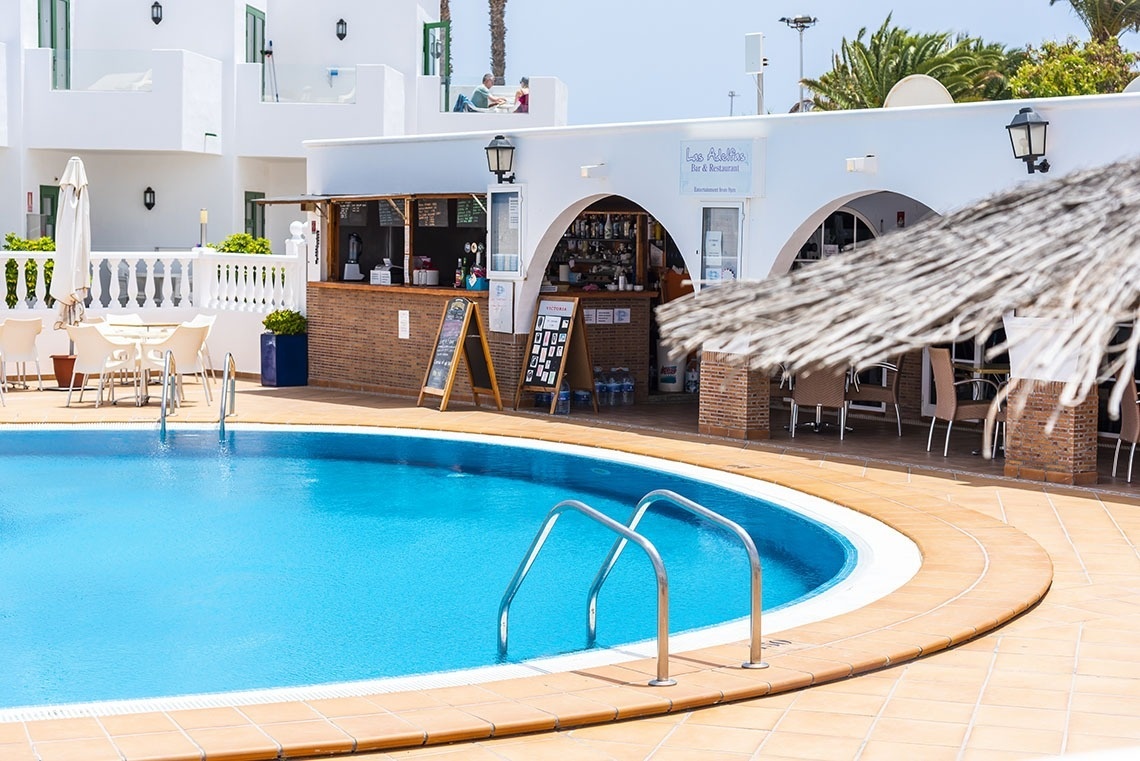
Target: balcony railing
[(108, 70)]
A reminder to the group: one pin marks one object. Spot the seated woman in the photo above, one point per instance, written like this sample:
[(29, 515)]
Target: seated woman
[(522, 96)]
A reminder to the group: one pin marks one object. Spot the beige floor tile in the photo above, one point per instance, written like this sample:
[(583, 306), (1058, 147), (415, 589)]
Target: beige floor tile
[(826, 722), (740, 715), (1105, 725), (885, 750), (918, 731), (1023, 718), (1015, 740), (931, 710), (802, 746), (726, 739), (91, 749)]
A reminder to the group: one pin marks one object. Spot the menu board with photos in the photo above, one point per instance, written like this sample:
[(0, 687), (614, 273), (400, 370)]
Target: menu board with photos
[(354, 214), (431, 212), (556, 350), (391, 215), (470, 212), (547, 348)]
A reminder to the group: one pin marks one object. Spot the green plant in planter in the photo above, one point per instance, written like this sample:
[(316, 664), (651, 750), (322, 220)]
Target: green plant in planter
[(243, 243), (285, 322), (13, 242)]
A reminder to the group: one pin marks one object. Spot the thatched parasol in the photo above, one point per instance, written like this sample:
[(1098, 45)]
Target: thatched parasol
[(1066, 249)]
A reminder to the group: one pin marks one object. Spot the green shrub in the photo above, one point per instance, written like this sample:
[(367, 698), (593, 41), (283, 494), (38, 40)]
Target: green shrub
[(285, 322), (13, 242), (243, 243)]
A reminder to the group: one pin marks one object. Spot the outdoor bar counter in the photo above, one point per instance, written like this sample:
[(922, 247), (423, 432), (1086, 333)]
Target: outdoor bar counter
[(355, 343)]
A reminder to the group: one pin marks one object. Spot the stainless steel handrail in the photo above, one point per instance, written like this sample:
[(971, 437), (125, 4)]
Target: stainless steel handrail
[(626, 534), (169, 396), (755, 656), (229, 389)]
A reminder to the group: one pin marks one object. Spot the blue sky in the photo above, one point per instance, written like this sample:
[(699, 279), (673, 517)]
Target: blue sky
[(632, 60)]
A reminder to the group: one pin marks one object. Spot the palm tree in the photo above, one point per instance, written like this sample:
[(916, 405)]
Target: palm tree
[(499, 40), (865, 71), (1107, 19), (444, 10)]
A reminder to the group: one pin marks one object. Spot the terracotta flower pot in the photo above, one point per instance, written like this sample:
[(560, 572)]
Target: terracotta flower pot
[(63, 365)]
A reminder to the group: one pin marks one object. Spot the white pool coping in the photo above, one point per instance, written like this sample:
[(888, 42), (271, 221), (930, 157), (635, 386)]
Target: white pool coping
[(886, 560)]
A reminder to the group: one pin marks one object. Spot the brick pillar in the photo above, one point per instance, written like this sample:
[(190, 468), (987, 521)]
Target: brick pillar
[(734, 399), (1065, 456)]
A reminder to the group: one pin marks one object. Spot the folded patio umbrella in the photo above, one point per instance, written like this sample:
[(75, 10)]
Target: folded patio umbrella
[(71, 276), (1067, 249)]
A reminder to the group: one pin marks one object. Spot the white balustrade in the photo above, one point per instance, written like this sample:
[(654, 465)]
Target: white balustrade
[(200, 278)]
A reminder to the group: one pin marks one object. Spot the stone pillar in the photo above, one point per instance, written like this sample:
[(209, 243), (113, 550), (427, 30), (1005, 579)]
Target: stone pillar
[(734, 399), (1065, 456)]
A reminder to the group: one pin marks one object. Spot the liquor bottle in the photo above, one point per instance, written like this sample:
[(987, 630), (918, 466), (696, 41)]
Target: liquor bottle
[(608, 230), (461, 274)]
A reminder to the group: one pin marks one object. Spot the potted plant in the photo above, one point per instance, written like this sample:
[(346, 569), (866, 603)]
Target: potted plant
[(285, 349)]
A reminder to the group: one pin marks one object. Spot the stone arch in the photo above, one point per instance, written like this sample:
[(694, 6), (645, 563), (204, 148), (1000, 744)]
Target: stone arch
[(878, 209)]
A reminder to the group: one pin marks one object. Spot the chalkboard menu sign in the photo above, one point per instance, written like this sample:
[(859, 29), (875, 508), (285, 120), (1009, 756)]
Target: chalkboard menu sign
[(431, 212), (470, 212), (460, 328), (391, 216), (557, 350), (354, 214)]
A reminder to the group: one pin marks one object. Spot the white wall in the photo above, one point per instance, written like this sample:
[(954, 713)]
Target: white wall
[(942, 157)]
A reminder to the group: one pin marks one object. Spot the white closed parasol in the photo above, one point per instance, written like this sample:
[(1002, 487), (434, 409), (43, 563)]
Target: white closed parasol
[(71, 278)]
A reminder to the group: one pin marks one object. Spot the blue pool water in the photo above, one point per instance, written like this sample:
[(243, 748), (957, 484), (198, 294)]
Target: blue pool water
[(131, 568)]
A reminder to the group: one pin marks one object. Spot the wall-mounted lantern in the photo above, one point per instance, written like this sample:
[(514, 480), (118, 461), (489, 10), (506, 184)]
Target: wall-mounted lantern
[(341, 29), (1027, 136), (156, 12), (501, 158), (148, 198)]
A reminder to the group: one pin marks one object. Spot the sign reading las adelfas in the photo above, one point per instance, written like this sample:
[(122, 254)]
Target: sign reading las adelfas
[(716, 167)]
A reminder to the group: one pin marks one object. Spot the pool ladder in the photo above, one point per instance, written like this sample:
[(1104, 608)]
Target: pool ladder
[(169, 390), (627, 533), (229, 392)]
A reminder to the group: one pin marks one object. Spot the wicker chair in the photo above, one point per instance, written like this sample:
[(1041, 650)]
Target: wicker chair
[(948, 406), (822, 388), (876, 394), (1129, 428)]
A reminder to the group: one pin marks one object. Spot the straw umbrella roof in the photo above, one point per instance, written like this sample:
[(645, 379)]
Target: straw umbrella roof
[(1067, 248)]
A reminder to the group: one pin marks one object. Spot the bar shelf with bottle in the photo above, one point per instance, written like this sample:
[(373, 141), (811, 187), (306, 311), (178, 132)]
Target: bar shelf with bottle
[(604, 249)]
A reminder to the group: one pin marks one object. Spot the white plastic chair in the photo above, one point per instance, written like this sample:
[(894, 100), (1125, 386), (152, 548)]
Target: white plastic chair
[(207, 320), (18, 346), (185, 344), (97, 355)]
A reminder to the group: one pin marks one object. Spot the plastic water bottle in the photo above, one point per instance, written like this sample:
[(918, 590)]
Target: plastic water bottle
[(626, 387), (613, 388), (563, 405)]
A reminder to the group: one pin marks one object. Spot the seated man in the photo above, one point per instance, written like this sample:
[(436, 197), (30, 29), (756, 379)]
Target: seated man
[(482, 97)]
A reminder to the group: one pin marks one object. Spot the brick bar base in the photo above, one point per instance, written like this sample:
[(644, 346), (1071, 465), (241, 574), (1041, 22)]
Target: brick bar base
[(1065, 456), (734, 399)]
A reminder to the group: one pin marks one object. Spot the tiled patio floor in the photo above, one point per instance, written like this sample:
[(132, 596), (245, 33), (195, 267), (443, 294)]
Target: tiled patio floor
[(1062, 677)]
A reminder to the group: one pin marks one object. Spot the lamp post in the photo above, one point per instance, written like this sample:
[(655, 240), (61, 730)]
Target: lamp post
[(800, 23)]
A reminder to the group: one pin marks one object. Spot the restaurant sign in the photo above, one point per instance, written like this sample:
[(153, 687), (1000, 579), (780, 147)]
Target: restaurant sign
[(716, 167)]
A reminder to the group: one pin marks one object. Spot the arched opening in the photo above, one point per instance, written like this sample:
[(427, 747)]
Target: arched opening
[(620, 260)]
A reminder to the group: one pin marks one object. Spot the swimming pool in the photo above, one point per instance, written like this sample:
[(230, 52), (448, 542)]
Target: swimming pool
[(192, 596)]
